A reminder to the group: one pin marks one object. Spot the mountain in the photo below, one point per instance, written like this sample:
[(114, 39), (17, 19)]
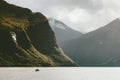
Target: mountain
[(26, 39), (97, 48), (63, 32)]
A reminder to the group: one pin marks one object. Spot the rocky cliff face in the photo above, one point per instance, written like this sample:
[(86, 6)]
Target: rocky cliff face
[(26, 39)]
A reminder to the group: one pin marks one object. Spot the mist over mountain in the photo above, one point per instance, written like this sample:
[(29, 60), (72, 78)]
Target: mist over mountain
[(63, 32), (27, 39), (97, 48)]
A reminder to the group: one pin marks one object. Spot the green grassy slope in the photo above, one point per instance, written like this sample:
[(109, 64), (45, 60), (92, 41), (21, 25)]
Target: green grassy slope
[(26, 39)]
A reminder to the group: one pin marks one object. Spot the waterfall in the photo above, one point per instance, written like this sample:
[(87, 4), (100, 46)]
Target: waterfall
[(13, 35)]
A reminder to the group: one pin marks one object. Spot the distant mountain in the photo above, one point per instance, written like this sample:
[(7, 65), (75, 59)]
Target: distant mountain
[(63, 32), (26, 39), (97, 48)]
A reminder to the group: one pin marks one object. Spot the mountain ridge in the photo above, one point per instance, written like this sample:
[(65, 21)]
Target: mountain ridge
[(27, 39), (97, 48), (63, 32)]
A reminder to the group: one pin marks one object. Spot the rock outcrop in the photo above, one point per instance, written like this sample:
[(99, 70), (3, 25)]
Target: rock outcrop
[(26, 39)]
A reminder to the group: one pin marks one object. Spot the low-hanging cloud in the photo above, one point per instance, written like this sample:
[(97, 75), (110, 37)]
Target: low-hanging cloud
[(82, 15), (90, 5)]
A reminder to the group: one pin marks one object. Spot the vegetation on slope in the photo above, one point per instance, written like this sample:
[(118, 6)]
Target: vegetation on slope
[(27, 39)]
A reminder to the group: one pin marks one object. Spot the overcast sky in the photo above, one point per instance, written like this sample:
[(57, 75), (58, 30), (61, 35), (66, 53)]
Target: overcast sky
[(81, 15)]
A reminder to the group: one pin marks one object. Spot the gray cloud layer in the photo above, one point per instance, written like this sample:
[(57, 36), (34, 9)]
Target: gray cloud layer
[(82, 15), (85, 4)]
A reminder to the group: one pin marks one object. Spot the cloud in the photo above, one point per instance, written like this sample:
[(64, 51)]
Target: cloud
[(91, 5), (81, 15), (35, 5)]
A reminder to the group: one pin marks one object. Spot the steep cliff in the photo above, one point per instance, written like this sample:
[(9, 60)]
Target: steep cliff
[(26, 39)]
